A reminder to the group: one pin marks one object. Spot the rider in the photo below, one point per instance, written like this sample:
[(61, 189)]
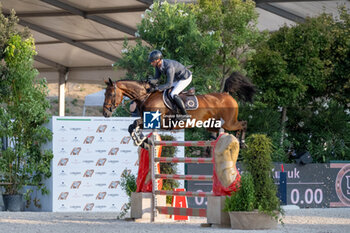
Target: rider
[(177, 76)]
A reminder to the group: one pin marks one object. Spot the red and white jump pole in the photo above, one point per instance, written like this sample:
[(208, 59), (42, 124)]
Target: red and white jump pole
[(177, 210)]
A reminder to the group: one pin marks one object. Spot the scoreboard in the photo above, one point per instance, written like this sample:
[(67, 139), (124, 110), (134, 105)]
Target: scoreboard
[(308, 186)]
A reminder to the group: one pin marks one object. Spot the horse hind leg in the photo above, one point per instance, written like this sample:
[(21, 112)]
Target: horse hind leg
[(241, 128), (243, 132)]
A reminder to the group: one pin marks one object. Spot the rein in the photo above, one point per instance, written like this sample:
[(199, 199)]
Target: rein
[(134, 98)]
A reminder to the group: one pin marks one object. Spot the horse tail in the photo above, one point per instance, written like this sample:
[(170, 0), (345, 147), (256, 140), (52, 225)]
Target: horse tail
[(240, 85)]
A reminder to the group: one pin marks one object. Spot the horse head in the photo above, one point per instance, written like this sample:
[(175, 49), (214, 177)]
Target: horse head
[(113, 97)]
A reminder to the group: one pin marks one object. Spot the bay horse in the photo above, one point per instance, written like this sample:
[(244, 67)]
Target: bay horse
[(218, 106)]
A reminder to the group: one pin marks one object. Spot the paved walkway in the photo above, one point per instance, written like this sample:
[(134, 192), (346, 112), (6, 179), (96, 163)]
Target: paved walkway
[(303, 220)]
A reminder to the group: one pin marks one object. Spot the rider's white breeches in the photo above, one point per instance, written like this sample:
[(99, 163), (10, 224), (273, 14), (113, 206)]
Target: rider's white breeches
[(180, 86)]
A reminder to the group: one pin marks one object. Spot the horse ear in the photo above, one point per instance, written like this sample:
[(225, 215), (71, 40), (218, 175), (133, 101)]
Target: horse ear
[(106, 82), (110, 81)]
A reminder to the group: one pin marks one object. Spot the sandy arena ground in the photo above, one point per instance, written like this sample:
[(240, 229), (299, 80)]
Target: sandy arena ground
[(301, 220)]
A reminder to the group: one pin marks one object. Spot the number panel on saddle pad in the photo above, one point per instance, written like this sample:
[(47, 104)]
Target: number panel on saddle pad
[(191, 101)]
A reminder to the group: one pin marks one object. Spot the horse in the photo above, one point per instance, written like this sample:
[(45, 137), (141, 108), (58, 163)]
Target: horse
[(214, 106)]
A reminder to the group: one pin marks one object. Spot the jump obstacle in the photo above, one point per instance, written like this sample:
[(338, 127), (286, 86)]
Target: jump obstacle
[(153, 160), (214, 211)]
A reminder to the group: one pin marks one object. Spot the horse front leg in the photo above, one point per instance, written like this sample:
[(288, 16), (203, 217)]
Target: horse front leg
[(136, 134)]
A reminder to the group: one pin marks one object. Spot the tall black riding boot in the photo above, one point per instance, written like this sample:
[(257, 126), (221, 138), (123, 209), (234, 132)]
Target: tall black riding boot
[(180, 104)]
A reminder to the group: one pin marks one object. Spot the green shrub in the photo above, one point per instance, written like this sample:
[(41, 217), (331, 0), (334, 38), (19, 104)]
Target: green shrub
[(244, 198), (23, 114), (257, 161), (128, 184), (168, 168)]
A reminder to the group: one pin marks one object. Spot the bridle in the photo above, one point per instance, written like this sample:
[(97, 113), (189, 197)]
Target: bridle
[(110, 105)]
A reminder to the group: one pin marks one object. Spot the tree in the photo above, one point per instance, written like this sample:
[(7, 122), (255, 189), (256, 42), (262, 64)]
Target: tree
[(173, 29), (234, 24), (23, 113), (301, 68)]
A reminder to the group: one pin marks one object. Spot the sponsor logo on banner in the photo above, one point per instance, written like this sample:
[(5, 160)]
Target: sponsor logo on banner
[(88, 161), (101, 196), (113, 207), (101, 162), (63, 196), (89, 206), (89, 140), (75, 151), (100, 140), (62, 173), (74, 207), (127, 172), (125, 151), (87, 151), (113, 173), (62, 184), (114, 184), (101, 207), (342, 185), (76, 196), (63, 162), (113, 151), (113, 195), (112, 139), (113, 161), (75, 129), (88, 195), (75, 139), (89, 129), (101, 151), (63, 207), (62, 151), (113, 129), (62, 139), (88, 173), (75, 161), (75, 173), (151, 120), (100, 184), (75, 185), (62, 128), (86, 184), (101, 173), (101, 129), (125, 140)]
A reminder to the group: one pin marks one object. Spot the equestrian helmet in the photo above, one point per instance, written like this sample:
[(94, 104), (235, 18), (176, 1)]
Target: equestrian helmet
[(155, 55)]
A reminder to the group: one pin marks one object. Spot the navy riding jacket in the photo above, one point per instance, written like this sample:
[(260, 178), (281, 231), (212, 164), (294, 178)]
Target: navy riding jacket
[(173, 70)]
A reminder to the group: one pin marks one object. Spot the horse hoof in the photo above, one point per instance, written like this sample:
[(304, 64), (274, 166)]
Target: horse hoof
[(242, 145)]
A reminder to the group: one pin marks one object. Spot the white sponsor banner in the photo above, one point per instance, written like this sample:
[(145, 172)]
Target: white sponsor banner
[(90, 154)]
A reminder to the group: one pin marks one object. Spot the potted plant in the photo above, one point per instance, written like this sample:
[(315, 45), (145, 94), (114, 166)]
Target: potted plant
[(255, 205), (23, 113)]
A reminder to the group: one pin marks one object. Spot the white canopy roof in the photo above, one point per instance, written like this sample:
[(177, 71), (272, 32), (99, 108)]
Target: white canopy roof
[(81, 39)]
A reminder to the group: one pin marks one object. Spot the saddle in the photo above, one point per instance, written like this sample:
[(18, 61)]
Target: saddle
[(188, 97)]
